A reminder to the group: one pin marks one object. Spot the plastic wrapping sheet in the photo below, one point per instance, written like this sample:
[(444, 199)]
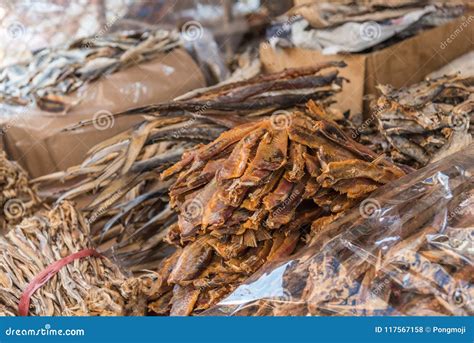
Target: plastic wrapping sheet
[(407, 250), (26, 26)]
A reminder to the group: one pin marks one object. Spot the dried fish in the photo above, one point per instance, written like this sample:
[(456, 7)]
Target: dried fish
[(124, 200), (17, 198), (91, 285), (254, 206), (412, 255), (54, 73), (427, 121), (326, 15), (329, 27)]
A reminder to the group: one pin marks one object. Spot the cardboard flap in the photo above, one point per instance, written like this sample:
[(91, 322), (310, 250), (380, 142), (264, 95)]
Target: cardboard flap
[(349, 99), (411, 60)]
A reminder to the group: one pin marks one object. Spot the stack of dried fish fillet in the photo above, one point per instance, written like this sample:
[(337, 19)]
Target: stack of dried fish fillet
[(17, 198), (52, 74), (427, 121), (250, 196), (91, 285), (130, 207), (413, 255)]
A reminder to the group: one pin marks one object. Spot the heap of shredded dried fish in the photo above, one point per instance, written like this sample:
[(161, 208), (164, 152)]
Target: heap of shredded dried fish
[(52, 74), (413, 255), (88, 286), (250, 196), (17, 198), (130, 208), (427, 121)]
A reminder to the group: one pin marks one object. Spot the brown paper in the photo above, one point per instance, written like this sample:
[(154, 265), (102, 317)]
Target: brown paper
[(35, 138), (401, 64)]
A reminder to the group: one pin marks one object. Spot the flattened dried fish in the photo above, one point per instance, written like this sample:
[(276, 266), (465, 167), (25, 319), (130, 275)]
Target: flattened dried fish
[(427, 121), (257, 214), (414, 256)]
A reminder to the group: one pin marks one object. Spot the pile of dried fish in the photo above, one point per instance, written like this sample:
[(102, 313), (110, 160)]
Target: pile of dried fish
[(427, 121), (413, 255), (92, 285), (17, 198), (130, 207), (54, 73), (355, 26), (327, 14), (250, 196)]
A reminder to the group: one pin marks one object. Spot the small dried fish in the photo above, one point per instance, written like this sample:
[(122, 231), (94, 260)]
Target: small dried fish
[(88, 286), (427, 121), (52, 74), (17, 198)]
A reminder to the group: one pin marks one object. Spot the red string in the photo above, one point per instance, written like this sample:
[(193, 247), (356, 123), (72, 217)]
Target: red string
[(48, 273)]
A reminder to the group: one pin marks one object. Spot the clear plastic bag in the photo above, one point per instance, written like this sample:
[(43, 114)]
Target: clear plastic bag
[(406, 250)]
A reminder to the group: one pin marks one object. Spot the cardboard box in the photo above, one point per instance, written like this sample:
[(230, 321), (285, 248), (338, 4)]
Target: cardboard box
[(401, 64), (36, 138)]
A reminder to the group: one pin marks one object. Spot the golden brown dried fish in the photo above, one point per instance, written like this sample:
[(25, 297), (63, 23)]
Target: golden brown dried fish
[(235, 223), (413, 255), (127, 204)]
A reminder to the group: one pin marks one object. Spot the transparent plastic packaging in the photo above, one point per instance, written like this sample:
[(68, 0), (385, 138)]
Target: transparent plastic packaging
[(406, 250)]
